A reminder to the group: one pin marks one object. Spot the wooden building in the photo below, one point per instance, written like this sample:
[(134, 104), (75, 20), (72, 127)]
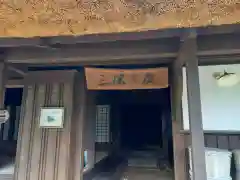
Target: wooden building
[(57, 154)]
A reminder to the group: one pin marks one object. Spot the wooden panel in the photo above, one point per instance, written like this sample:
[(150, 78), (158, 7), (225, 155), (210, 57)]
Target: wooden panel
[(223, 142), (218, 140), (71, 17), (35, 134), (211, 141), (44, 154), (25, 133), (234, 142)]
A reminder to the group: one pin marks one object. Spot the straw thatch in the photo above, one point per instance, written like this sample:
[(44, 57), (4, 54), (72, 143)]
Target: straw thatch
[(28, 18)]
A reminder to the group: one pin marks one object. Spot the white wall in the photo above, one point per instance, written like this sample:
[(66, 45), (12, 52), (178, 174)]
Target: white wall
[(220, 105)]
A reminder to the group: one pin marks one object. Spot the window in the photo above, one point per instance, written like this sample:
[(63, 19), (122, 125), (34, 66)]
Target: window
[(102, 123)]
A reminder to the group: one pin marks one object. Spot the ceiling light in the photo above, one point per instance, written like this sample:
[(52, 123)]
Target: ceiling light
[(227, 79)]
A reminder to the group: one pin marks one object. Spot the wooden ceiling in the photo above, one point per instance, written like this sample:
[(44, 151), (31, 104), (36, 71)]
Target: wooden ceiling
[(31, 18)]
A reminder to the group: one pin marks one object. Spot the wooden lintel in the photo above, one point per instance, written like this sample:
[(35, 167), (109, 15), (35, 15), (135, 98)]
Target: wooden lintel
[(14, 83), (145, 35), (18, 42), (96, 38), (140, 50)]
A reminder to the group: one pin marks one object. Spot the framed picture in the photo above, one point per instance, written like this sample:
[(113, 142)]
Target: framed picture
[(52, 117)]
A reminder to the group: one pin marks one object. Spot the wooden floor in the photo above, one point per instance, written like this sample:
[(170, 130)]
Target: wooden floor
[(6, 173), (6, 177), (6, 168), (127, 172), (144, 165), (133, 173)]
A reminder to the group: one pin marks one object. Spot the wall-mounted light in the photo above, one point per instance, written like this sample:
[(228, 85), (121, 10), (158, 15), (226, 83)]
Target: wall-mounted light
[(226, 79)]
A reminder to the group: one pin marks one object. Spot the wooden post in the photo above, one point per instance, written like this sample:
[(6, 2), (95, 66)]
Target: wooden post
[(3, 78), (176, 76), (176, 100), (89, 130), (195, 112), (2, 83), (80, 115)]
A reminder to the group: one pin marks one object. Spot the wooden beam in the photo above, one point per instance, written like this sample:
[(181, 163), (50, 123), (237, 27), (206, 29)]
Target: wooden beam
[(96, 38), (195, 113), (215, 44), (145, 35), (14, 83), (87, 56), (17, 42), (123, 51)]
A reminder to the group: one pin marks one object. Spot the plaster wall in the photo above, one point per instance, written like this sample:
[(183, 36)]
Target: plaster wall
[(220, 105)]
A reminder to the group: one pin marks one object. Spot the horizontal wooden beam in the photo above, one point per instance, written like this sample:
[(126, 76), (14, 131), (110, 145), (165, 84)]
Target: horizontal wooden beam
[(95, 52), (14, 83), (96, 38), (145, 35), (108, 53)]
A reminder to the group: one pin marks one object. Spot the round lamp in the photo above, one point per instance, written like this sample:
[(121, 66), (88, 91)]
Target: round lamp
[(227, 79)]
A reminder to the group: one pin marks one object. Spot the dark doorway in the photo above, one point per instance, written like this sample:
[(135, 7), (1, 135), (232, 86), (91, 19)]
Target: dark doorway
[(141, 126)]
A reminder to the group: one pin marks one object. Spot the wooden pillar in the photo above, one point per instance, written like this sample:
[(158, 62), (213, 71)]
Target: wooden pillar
[(179, 150), (80, 116), (165, 118), (3, 78), (195, 112), (90, 129), (44, 153)]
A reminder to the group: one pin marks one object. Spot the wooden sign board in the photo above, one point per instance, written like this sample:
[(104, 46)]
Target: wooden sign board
[(33, 18), (119, 79)]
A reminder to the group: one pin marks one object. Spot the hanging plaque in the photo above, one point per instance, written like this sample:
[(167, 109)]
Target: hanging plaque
[(124, 79)]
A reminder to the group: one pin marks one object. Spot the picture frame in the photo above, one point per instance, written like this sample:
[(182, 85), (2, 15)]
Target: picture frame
[(51, 117)]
